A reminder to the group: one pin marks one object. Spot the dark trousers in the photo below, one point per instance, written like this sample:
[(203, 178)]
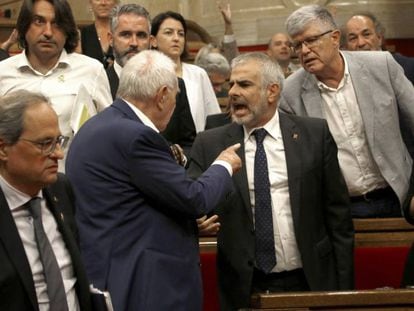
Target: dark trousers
[(286, 281), (378, 203)]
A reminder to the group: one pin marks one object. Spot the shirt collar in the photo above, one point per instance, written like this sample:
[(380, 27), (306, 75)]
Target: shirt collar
[(23, 62), (344, 80), (14, 197), (142, 116), (117, 68), (272, 128)]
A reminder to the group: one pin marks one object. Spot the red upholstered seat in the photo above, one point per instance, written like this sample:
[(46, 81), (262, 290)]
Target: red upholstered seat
[(375, 267)]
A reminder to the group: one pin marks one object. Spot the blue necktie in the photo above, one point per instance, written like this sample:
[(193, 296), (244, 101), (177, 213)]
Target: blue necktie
[(51, 270), (265, 244)]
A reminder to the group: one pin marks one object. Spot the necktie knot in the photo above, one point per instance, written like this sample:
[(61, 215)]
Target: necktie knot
[(35, 207), (260, 135)]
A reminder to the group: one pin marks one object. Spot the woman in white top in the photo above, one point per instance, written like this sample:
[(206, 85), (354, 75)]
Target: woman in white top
[(168, 31)]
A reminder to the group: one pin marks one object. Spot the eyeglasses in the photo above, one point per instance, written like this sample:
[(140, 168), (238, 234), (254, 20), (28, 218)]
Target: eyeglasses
[(48, 146), (310, 42)]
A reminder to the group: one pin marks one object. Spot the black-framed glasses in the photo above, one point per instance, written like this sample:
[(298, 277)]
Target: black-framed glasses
[(310, 42), (48, 146)]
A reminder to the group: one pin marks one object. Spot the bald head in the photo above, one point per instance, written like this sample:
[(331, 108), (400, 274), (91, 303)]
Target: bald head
[(363, 33)]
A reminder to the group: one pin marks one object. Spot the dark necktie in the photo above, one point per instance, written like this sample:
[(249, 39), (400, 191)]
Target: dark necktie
[(51, 270), (265, 244)]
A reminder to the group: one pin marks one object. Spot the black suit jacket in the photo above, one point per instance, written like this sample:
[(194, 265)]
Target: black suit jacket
[(319, 201), (17, 290), (113, 80), (407, 63)]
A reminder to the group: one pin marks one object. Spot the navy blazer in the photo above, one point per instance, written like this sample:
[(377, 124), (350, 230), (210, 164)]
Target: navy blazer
[(17, 291), (137, 210)]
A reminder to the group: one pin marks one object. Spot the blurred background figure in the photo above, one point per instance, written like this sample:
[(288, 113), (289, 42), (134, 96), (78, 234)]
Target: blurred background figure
[(280, 51), (364, 32), (168, 35), (94, 38), (218, 71), (6, 45)]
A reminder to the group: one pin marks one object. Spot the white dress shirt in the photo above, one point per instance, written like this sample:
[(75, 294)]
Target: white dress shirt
[(200, 94), (342, 113), (287, 252), (61, 84), (24, 223)]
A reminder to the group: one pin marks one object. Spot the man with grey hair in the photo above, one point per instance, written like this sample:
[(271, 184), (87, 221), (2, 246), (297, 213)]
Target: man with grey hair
[(41, 267), (130, 33), (287, 226), (136, 208), (218, 70), (364, 32), (365, 98)]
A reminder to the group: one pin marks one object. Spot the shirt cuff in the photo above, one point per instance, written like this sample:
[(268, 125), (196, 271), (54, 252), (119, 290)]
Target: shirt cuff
[(226, 165), (229, 38)]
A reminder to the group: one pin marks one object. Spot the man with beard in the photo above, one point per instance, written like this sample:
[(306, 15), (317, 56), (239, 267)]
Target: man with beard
[(368, 103), (130, 34), (287, 226)]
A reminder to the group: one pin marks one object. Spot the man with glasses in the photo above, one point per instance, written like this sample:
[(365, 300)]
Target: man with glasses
[(41, 267), (365, 98)]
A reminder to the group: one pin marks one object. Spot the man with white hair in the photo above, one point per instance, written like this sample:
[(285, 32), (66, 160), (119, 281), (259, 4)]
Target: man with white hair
[(136, 208)]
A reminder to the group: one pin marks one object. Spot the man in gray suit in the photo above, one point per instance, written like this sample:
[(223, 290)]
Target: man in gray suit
[(368, 103)]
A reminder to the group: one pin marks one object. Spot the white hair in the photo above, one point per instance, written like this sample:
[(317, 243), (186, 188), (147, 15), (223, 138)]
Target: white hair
[(144, 74)]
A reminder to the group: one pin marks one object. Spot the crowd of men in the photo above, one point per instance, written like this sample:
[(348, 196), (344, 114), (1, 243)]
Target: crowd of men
[(304, 147)]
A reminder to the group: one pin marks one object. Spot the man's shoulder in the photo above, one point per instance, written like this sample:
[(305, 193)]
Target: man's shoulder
[(303, 121), (367, 57), (80, 60), (12, 61)]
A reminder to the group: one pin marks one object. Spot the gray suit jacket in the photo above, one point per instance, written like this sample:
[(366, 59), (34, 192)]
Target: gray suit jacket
[(386, 101)]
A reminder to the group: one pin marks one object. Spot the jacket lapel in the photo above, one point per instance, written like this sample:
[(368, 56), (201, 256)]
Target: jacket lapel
[(12, 242), (311, 97), (55, 207), (291, 140), (236, 135)]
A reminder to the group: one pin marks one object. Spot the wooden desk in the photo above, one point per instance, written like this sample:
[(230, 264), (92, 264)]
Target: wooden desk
[(395, 299)]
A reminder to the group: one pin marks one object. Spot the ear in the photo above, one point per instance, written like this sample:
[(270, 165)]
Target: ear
[(381, 40), (110, 38), (336, 37), (153, 42), (161, 96), (273, 92), (3, 150)]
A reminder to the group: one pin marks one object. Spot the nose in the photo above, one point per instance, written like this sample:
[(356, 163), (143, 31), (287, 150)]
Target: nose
[(361, 41), (48, 30), (133, 41), (57, 153)]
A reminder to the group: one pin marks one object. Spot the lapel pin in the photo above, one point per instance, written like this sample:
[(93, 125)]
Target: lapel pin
[(55, 199), (61, 217), (61, 78), (295, 136)]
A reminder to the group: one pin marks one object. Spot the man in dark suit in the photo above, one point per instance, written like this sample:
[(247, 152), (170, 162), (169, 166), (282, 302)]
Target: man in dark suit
[(130, 33), (364, 32), (136, 208), (30, 147), (312, 239)]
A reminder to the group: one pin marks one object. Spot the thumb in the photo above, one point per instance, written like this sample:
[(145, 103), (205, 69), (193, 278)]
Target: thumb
[(235, 147)]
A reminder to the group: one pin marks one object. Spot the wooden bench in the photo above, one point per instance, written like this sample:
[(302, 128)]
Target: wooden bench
[(396, 299), (381, 247)]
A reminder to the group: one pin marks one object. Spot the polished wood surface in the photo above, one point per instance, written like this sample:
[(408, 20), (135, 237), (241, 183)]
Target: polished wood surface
[(384, 299)]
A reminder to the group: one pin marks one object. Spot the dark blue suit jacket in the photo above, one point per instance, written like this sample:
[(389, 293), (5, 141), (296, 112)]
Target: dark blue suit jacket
[(137, 211)]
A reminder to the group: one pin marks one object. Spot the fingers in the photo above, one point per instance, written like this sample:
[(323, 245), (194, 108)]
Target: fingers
[(208, 226), (234, 147)]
